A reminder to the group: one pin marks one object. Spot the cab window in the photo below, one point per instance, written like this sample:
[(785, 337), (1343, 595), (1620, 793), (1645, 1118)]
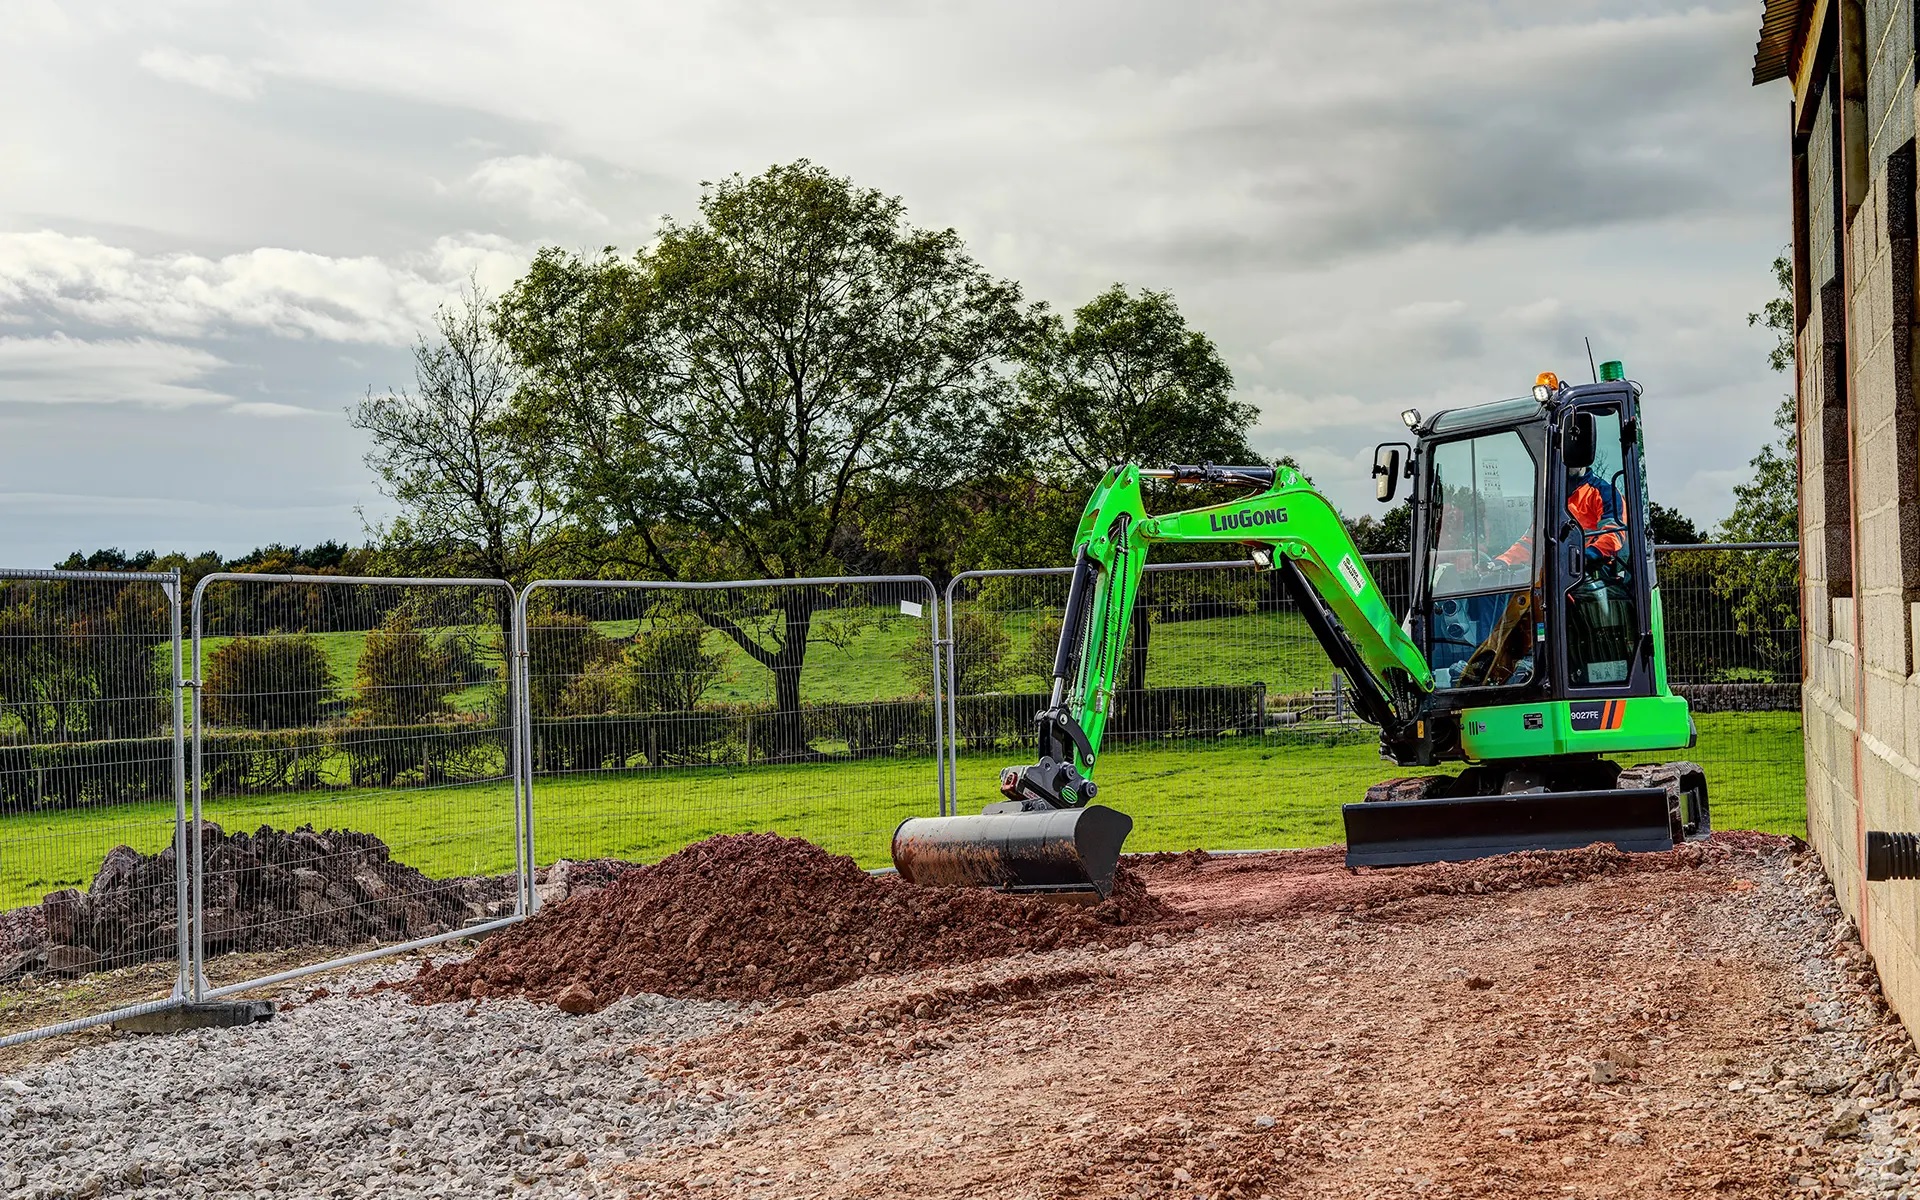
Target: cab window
[(1480, 561), (1483, 490)]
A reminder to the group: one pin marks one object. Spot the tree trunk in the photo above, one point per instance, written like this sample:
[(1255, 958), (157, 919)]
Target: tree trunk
[(790, 720)]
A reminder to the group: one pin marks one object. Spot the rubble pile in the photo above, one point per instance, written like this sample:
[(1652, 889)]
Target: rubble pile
[(267, 890)]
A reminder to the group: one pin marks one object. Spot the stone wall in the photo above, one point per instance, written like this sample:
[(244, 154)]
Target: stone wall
[(1860, 469)]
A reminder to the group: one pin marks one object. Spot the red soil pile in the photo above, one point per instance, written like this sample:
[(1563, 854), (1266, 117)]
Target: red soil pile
[(758, 915)]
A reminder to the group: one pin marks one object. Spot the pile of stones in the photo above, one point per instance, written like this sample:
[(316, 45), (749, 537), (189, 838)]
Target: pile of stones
[(268, 890)]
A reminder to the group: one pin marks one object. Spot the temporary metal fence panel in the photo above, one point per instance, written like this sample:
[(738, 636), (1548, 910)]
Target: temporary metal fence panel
[(1732, 615), (661, 713), (1233, 729), (93, 907), (355, 771)]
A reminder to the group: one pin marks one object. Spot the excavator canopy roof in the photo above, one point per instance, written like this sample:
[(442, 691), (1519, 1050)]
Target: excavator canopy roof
[(1502, 413)]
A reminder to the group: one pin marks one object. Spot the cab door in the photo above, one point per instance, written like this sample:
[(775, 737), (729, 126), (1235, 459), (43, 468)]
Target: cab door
[(1602, 565)]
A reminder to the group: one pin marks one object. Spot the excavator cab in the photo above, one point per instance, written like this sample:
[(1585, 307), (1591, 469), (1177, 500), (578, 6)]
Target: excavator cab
[(1535, 601)]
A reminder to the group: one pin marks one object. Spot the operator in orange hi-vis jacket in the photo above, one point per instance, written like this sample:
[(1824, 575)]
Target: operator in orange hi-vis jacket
[(1595, 504)]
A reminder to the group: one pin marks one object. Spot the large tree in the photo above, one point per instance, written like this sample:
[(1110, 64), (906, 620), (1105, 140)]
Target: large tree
[(732, 398), (1129, 381), (1126, 381), (470, 486), (1766, 508)]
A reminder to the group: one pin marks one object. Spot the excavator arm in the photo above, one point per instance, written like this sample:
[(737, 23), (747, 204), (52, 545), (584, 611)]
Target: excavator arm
[(1046, 837), (1290, 527)]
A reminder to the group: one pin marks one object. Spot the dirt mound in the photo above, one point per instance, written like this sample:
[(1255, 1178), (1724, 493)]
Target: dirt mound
[(1306, 881), (758, 915)]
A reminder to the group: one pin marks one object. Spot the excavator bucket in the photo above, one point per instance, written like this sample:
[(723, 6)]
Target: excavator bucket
[(1067, 854), (1395, 833)]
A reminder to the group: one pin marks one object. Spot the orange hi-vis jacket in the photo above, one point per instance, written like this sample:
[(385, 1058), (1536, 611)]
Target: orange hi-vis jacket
[(1588, 505)]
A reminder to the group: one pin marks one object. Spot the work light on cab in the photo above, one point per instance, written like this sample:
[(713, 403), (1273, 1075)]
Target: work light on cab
[(1545, 384)]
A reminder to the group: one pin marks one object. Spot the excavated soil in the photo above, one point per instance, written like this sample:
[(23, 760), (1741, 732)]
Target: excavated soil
[(1591, 1024), (756, 916)]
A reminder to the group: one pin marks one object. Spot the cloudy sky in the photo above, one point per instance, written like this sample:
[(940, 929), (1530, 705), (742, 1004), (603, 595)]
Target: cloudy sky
[(221, 224)]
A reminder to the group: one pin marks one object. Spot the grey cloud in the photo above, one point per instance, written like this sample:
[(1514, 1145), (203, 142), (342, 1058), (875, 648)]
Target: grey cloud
[(288, 293), (209, 72), (1541, 132), (60, 370)]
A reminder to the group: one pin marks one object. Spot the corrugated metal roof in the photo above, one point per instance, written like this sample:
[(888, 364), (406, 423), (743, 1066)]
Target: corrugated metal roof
[(1778, 27)]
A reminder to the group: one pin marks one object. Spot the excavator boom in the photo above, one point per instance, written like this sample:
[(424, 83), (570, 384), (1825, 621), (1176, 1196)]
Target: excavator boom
[(1293, 529)]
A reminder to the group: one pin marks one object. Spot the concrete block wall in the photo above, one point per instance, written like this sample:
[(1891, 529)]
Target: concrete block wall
[(1860, 473)]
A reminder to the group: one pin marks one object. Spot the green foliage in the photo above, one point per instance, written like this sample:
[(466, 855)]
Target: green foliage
[(1391, 534), (1670, 526), (1764, 587), (1766, 508), (405, 677), (667, 667), (1128, 381), (79, 666), (1035, 659), (561, 648), (730, 399), (752, 374), (980, 648), (1777, 315), (268, 682)]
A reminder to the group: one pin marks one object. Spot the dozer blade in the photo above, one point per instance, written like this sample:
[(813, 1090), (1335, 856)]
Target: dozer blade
[(1066, 854), (1394, 833)]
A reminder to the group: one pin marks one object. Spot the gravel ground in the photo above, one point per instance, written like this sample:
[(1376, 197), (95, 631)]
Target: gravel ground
[(1703, 1025), (360, 1095)]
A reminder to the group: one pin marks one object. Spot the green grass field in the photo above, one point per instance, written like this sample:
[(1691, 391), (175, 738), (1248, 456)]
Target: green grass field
[(1232, 793)]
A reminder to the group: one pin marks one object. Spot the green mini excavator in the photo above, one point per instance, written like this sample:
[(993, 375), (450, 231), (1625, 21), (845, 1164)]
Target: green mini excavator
[(1532, 650)]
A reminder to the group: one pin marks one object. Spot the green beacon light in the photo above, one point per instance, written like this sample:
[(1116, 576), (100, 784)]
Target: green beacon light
[(1612, 371)]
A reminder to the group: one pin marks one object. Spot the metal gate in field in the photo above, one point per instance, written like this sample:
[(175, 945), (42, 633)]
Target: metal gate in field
[(92, 781), (351, 767), (355, 771), (658, 713)]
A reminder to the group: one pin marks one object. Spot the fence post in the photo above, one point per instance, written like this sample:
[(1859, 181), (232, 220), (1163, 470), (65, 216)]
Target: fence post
[(529, 902), (182, 983)]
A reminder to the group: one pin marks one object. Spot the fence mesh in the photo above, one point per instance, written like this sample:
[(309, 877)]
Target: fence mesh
[(89, 797), (1233, 729), (1732, 618), (662, 714), (353, 772)]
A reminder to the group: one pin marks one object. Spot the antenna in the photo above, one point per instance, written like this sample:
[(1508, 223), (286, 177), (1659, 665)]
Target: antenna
[(1590, 366)]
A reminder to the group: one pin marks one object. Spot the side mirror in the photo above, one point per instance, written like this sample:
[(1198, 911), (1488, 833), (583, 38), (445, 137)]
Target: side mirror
[(1577, 442), (1386, 470)]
